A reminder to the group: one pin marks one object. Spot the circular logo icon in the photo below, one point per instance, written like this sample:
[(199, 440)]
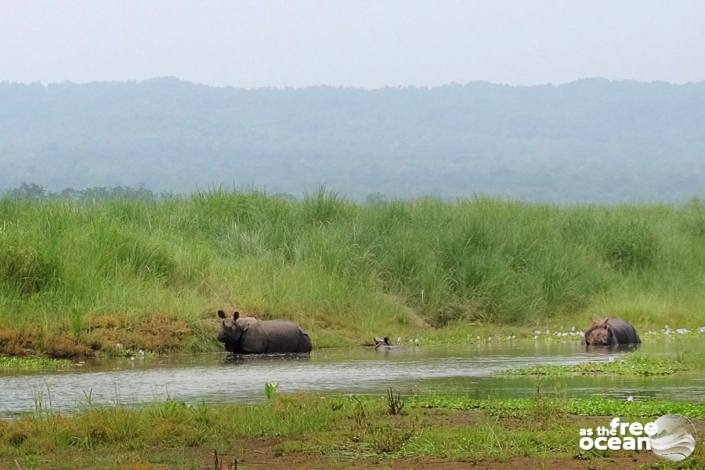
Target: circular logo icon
[(673, 439)]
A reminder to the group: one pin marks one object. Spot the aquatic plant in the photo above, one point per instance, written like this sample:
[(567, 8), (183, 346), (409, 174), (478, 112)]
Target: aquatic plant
[(30, 363), (631, 364), (270, 389)]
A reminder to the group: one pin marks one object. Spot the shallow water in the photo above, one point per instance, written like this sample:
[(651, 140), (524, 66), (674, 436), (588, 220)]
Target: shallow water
[(468, 369)]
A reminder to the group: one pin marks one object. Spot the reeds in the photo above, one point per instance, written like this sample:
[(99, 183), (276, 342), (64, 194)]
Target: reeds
[(346, 270)]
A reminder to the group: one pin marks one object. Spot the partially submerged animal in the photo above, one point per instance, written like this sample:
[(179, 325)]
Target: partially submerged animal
[(248, 335), (611, 332), (383, 344)]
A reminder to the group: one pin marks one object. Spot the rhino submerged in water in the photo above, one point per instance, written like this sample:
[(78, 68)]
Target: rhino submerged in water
[(248, 335), (383, 344), (611, 332)]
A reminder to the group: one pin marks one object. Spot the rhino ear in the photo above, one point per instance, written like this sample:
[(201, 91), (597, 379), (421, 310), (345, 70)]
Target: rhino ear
[(236, 315), (221, 314)]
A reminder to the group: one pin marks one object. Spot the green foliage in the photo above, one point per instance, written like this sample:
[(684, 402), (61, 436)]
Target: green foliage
[(344, 271), (595, 406), (631, 365), (15, 363), (331, 427), (628, 244), (25, 265), (270, 389)]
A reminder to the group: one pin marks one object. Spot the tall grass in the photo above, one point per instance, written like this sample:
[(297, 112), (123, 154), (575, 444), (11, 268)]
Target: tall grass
[(345, 270)]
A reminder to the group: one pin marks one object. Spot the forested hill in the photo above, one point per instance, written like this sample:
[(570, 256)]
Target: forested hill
[(590, 140)]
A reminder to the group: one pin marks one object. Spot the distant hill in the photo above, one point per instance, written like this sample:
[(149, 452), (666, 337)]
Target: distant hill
[(590, 140)]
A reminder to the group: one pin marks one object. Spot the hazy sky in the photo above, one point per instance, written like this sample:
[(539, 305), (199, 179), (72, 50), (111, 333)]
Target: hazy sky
[(359, 43)]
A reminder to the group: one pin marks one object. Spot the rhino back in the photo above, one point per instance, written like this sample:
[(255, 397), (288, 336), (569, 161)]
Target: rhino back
[(281, 336), (622, 332)]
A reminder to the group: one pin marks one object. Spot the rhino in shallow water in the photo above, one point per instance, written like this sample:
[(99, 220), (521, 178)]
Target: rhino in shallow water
[(248, 335), (383, 344), (611, 332)]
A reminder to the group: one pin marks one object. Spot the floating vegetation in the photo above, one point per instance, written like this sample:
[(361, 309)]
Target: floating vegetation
[(632, 364), (17, 363)]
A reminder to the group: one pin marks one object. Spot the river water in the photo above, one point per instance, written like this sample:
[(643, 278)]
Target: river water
[(466, 369)]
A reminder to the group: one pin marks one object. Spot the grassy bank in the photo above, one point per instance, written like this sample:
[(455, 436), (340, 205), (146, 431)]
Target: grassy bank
[(332, 432), (76, 277)]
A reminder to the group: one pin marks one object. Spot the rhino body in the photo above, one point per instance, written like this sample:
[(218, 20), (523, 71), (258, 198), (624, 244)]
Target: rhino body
[(248, 335), (611, 332)]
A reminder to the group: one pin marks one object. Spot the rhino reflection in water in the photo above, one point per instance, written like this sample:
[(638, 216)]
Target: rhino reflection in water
[(248, 335), (611, 332)]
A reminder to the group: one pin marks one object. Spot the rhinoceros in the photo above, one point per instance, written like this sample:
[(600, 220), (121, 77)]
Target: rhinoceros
[(611, 332), (383, 344), (248, 335)]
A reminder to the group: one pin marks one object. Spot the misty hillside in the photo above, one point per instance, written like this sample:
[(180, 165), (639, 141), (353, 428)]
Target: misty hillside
[(590, 140)]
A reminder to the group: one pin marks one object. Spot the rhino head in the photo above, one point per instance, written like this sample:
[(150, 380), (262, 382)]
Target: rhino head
[(381, 342), (232, 328), (598, 334)]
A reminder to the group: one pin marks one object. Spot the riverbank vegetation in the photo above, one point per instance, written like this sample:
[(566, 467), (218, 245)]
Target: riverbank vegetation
[(306, 431), (78, 277)]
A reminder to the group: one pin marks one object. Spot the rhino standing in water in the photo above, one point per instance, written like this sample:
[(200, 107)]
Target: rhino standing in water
[(611, 332), (248, 335)]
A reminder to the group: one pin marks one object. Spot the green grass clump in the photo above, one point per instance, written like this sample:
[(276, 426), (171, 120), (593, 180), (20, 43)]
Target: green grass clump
[(630, 365), (18, 363), (345, 271)]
